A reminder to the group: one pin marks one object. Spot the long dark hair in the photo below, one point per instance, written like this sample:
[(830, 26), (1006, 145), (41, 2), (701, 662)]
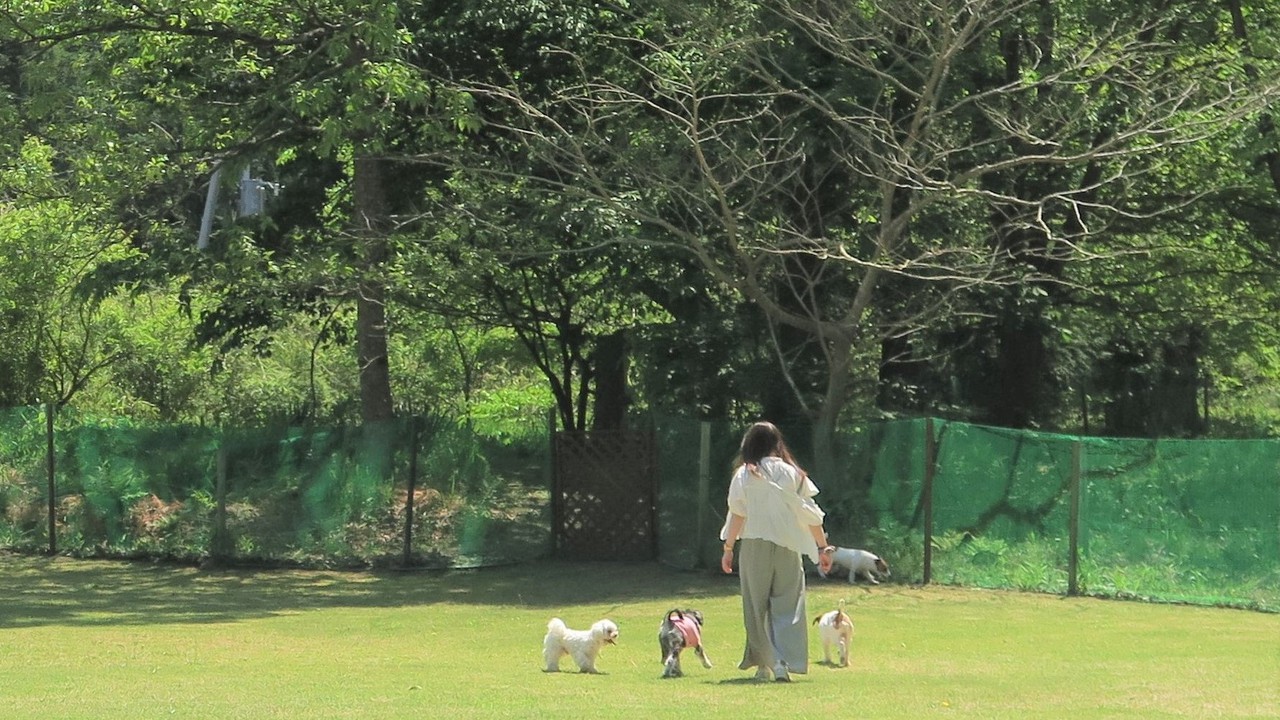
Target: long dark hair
[(762, 440)]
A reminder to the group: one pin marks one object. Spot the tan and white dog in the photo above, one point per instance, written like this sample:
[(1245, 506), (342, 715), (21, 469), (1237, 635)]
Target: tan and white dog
[(583, 646), (859, 563), (835, 628)]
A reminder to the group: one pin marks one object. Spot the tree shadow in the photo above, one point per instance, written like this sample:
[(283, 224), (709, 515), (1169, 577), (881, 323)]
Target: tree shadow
[(39, 591)]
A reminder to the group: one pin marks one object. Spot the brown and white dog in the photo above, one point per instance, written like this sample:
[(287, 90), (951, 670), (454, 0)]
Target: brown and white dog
[(859, 563), (680, 629), (835, 628), (583, 646)]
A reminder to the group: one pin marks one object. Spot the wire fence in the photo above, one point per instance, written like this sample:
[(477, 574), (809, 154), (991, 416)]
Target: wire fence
[(1194, 521), (1170, 520)]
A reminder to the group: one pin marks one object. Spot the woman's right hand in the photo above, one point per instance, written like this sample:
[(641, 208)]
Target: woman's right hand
[(726, 561)]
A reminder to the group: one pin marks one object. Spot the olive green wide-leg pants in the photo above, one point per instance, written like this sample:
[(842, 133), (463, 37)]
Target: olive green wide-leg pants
[(773, 609)]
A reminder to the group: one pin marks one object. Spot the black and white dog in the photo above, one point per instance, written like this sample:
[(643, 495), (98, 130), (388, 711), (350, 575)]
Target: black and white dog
[(680, 629), (859, 563)]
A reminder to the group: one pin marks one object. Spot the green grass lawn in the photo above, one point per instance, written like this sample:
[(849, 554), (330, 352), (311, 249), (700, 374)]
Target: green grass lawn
[(108, 640)]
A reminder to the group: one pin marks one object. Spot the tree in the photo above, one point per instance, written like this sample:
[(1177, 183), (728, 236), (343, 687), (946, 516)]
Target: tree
[(808, 153), (56, 338), (546, 271), (332, 85)]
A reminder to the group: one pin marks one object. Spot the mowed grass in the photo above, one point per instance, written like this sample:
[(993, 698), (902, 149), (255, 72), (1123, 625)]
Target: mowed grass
[(108, 640)]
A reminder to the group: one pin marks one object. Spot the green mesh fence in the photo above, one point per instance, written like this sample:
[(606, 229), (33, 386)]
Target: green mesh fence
[(1168, 520), (1182, 520), (23, 478), (1000, 510), (335, 496)]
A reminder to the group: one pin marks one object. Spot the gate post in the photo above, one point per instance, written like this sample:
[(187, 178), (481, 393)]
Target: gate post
[(704, 492)]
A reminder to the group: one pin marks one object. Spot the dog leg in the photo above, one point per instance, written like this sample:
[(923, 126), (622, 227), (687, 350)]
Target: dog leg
[(853, 576), (551, 659), (702, 655), (586, 663), (669, 667)]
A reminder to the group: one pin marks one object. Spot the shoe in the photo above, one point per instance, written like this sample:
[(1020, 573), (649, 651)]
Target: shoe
[(780, 673)]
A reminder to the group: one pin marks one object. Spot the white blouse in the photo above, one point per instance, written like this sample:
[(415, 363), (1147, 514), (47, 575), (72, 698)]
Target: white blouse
[(777, 504)]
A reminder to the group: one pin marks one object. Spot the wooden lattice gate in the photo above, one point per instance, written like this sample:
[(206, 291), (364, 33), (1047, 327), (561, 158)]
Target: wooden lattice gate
[(604, 495)]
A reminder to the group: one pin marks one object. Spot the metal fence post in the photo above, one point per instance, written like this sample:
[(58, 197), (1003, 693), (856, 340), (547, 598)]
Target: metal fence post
[(1073, 551), (930, 466), (411, 490), (49, 410), (553, 482), (221, 547)]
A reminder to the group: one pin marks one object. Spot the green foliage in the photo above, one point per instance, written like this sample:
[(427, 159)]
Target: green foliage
[(476, 374), (740, 128), (992, 562), (49, 247)]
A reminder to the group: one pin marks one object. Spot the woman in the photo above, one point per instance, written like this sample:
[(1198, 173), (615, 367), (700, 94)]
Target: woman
[(771, 509)]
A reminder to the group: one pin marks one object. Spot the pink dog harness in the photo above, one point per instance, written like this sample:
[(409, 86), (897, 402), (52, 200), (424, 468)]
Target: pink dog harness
[(689, 628)]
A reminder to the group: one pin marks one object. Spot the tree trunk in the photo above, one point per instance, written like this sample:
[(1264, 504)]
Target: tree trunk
[(1177, 389), (1123, 377), (611, 361), (371, 309), (1022, 370), (826, 465)]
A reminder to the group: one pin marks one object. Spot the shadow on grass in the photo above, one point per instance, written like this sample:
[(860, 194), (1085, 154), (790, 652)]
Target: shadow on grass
[(39, 591)]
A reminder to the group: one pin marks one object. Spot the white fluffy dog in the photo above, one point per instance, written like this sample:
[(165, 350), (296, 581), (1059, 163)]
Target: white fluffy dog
[(582, 645), (859, 563), (835, 628)]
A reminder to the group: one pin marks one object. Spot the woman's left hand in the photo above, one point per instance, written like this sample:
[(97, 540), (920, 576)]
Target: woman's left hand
[(726, 561), (824, 560)]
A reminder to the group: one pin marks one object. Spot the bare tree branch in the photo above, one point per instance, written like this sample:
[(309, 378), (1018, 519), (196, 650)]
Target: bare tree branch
[(804, 189)]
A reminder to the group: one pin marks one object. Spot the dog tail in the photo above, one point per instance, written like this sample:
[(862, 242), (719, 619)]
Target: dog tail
[(556, 627)]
